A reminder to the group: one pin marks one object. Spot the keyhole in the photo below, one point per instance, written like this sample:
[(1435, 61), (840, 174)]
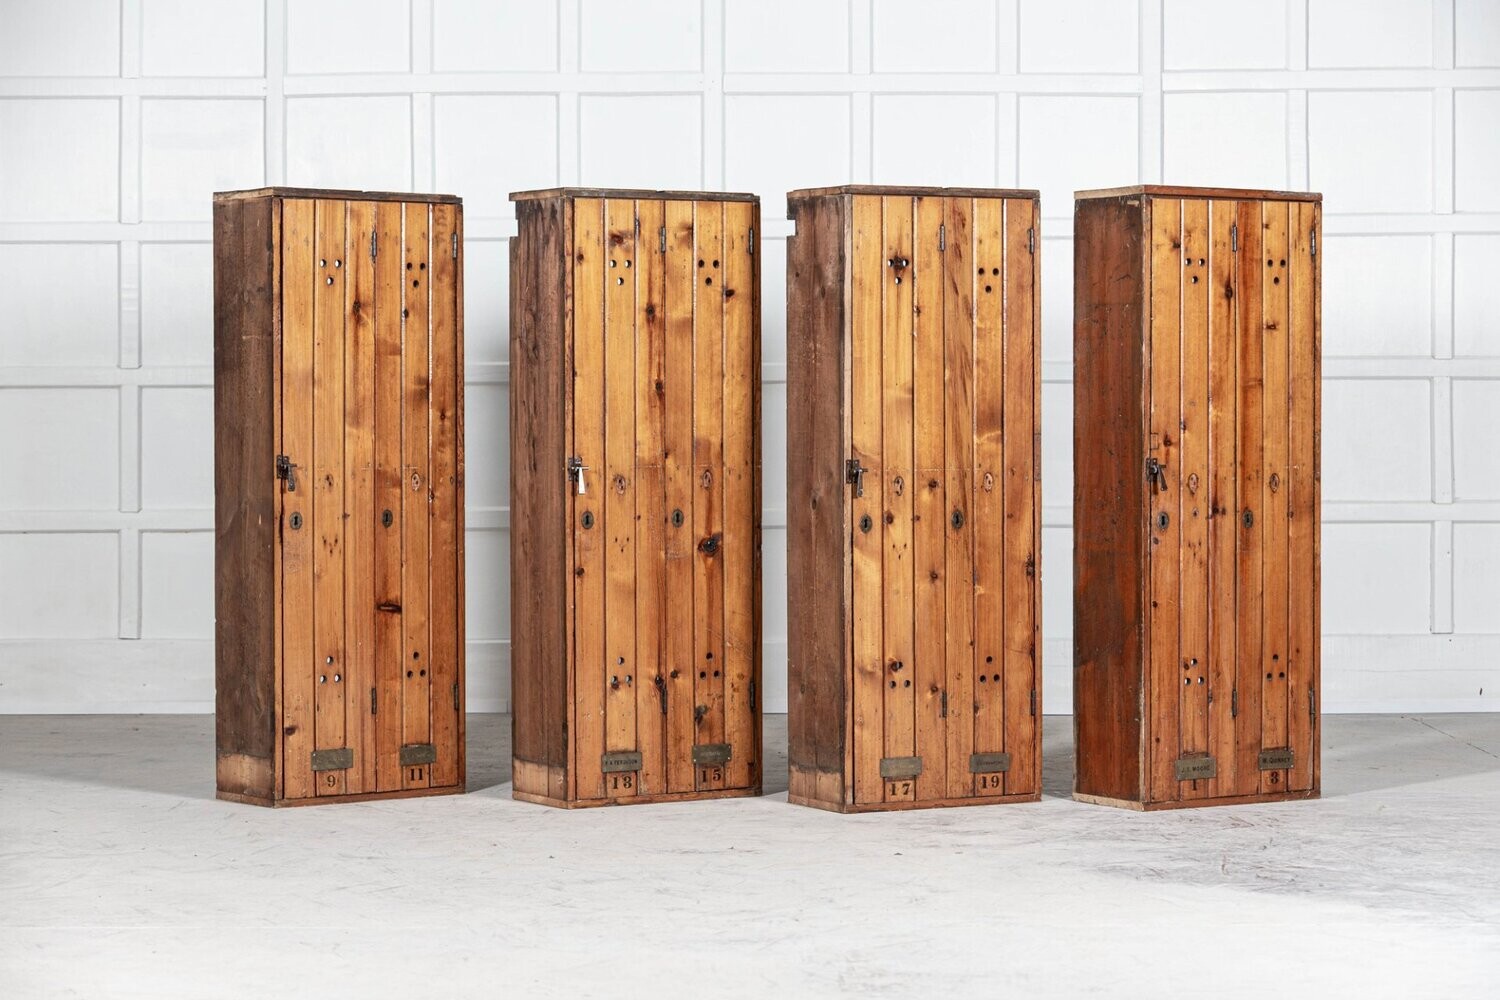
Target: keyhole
[(296, 520), (677, 518), (386, 518), (957, 520), (588, 519), (1162, 521), (865, 524), (1249, 518)]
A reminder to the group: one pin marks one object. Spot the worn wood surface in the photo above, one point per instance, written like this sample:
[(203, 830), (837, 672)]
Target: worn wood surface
[(662, 545), (389, 643), (1229, 671)]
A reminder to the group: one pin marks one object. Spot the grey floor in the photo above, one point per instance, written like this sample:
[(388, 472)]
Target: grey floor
[(122, 876)]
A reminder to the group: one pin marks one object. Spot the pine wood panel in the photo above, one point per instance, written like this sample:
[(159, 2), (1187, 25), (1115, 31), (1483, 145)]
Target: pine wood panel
[(1249, 370), (1302, 500), (390, 658), (618, 492), (1022, 500), (929, 544), (446, 491), (359, 496), (416, 493), (1221, 499), (650, 498), (958, 447), (991, 537), (591, 676), (1166, 680), (1192, 478), (1273, 512)]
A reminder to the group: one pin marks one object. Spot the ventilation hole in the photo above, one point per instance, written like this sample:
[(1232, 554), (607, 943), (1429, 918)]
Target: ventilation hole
[(906, 683), (716, 263), (338, 263), (982, 679), (1283, 263), (408, 673), (994, 270), (627, 263), (416, 655), (893, 683), (1195, 279), (613, 262), (716, 673), (322, 262), (709, 655), (619, 281), (330, 279), (620, 660), (702, 674), (981, 270), (1269, 264), (1276, 280), (422, 266), (420, 673), (408, 265), (708, 281), (987, 289), (700, 263), (989, 659), (997, 678)]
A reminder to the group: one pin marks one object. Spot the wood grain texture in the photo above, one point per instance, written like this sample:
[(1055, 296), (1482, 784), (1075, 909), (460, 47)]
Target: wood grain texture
[(992, 486), (416, 487), (1302, 501), (1249, 371), (1273, 503), (652, 518), (682, 670), (958, 480), (390, 659), (361, 519), (1221, 498), (446, 560)]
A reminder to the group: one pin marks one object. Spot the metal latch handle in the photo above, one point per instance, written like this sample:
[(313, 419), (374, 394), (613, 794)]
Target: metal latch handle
[(1156, 474), (854, 475), (576, 469)]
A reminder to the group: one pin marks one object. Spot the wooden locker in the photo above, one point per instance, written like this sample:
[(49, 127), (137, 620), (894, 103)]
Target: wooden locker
[(635, 496), (338, 483), (1197, 348), (914, 497)]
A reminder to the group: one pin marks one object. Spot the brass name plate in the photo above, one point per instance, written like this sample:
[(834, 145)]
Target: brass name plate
[(900, 767), (418, 753), (1194, 768), (620, 761), (333, 760), (1279, 759), (712, 753), (988, 763)]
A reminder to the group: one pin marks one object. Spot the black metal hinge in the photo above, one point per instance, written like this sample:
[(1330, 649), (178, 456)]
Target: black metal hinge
[(1234, 237), (1312, 236), (284, 469), (752, 694), (1031, 240), (373, 235), (455, 696), (942, 236), (1234, 703), (1032, 701), (372, 701), (750, 247), (661, 239), (454, 240), (1312, 704)]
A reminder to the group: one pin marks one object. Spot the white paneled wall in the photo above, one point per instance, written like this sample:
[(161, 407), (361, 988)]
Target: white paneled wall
[(119, 117)]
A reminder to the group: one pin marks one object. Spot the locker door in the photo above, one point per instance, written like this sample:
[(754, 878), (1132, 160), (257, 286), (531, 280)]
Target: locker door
[(389, 656), (446, 492), (1303, 514)]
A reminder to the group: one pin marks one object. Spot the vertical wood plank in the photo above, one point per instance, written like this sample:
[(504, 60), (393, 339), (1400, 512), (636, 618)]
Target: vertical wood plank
[(619, 489), (1274, 421), (680, 640), (1302, 512), (447, 543), (1192, 476), (390, 659), (708, 493), (896, 466), (741, 530), (651, 517), (929, 546), (327, 483), (1164, 692), (298, 670), (1316, 332), (993, 533), (1021, 536), (958, 429), (589, 266), (416, 492), (867, 556), (1221, 497), (1250, 519), (359, 494)]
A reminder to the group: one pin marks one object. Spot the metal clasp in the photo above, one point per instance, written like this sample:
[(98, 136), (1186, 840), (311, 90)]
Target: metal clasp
[(284, 467), (576, 469), (854, 475), (1156, 474)]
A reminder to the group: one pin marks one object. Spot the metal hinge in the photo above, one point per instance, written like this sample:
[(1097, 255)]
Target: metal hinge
[(1312, 706), (942, 236), (750, 247), (1032, 701), (1234, 703), (1234, 237), (752, 694), (1031, 240), (373, 235), (372, 702), (1312, 236), (453, 238), (943, 710), (854, 475), (661, 239), (455, 696), (284, 469)]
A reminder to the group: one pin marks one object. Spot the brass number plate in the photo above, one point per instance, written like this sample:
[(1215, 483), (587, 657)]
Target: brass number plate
[(418, 753), (1279, 759), (620, 760), (988, 763), (712, 753), (1194, 768), (900, 767), (333, 760)]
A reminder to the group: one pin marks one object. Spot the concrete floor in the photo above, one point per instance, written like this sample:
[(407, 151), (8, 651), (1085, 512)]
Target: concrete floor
[(121, 876)]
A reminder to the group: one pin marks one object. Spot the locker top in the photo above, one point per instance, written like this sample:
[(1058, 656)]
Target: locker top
[(1177, 191), (897, 190), (632, 193), (334, 195)]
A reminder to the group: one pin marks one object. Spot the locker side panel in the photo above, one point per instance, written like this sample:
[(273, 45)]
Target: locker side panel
[(246, 439), (817, 516), (1303, 507), (447, 540), (1110, 264)]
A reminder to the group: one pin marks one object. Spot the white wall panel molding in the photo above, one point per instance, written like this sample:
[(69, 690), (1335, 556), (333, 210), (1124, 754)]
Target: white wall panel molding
[(129, 111)]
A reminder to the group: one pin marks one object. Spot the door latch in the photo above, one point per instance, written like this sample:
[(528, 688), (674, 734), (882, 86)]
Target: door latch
[(1156, 475), (284, 467), (576, 469), (854, 475)]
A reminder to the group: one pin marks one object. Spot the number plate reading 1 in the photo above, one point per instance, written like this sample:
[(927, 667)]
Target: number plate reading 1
[(333, 760), (900, 767), (1280, 759), (988, 763), (620, 760), (1194, 768), (712, 753), (418, 753)]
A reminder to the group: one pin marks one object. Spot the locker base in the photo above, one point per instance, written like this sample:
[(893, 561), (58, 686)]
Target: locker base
[(864, 807), (1223, 800), (636, 800), (318, 800)]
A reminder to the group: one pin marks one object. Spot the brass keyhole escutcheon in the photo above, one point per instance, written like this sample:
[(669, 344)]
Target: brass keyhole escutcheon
[(386, 518), (899, 485), (1162, 520), (677, 517), (1249, 518), (1193, 483), (296, 520), (1275, 482), (865, 524), (957, 520), (989, 482), (588, 519)]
